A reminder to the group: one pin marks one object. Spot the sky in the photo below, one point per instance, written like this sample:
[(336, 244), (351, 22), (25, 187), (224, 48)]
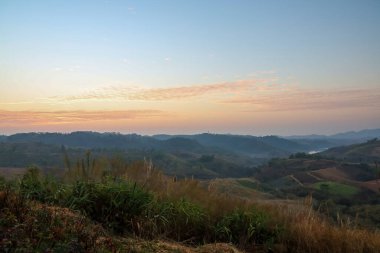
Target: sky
[(221, 66)]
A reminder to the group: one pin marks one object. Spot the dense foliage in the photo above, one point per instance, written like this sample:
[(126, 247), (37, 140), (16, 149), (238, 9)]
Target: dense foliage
[(126, 207)]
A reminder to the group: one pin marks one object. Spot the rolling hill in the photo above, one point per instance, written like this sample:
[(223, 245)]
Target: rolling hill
[(323, 142), (361, 135), (262, 147), (363, 152), (203, 156), (177, 156), (341, 185), (346, 177)]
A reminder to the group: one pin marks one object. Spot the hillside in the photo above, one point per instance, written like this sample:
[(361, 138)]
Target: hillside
[(259, 147), (179, 157), (361, 135), (135, 208), (203, 156), (264, 147), (323, 142), (363, 152), (348, 182), (87, 140), (336, 186)]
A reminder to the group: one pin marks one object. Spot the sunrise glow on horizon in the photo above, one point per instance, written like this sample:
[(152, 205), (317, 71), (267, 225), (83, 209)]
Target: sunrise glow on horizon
[(244, 67)]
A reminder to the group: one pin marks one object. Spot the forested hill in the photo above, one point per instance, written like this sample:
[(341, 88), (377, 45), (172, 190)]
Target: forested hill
[(363, 152), (263, 147), (339, 139), (201, 156), (86, 140)]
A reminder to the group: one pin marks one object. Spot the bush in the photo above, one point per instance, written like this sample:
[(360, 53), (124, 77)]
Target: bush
[(180, 220), (117, 205), (35, 186), (30, 227), (245, 227), (155, 207)]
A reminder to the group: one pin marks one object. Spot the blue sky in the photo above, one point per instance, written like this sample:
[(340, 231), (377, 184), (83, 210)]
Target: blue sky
[(50, 49)]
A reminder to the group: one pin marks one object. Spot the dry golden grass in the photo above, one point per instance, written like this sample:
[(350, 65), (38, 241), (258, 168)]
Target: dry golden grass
[(304, 231), (170, 188), (139, 245), (87, 236), (308, 232)]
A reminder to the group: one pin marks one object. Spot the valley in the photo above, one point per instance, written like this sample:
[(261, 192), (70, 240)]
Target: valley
[(341, 180)]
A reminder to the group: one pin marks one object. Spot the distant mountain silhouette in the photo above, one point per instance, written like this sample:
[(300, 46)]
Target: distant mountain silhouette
[(268, 146), (363, 152), (264, 147), (260, 147), (87, 140), (361, 135)]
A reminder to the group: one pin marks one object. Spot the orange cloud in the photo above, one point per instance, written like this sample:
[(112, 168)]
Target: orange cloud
[(171, 93), (64, 117), (309, 99)]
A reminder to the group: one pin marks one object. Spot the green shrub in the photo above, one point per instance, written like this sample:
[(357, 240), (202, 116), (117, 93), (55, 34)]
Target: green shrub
[(149, 205), (115, 204), (245, 227), (180, 220), (26, 226), (35, 186), (31, 185)]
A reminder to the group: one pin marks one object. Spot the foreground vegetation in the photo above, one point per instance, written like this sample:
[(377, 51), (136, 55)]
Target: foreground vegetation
[(106, 205), (339, 188)]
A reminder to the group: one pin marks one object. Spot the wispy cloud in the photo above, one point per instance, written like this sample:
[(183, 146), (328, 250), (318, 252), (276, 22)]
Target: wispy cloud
[(62, 117), (72, 68), (171, 93), (293, 98)]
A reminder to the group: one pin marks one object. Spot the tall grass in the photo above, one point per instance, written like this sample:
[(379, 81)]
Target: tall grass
[(138, 199), (308, 232), (26, 226), (114, 204), (281, 227)]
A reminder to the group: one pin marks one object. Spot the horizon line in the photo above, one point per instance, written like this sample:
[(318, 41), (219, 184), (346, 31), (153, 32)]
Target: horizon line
[(194, 133)]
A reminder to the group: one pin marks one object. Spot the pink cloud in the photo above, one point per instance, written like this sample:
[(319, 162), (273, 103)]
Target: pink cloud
[(309, 99), (171, 93), (61, 117)]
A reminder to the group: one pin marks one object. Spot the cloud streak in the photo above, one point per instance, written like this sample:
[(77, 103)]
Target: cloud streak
[(65, 117), (171, 93), (252, 95), (309, 99)]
